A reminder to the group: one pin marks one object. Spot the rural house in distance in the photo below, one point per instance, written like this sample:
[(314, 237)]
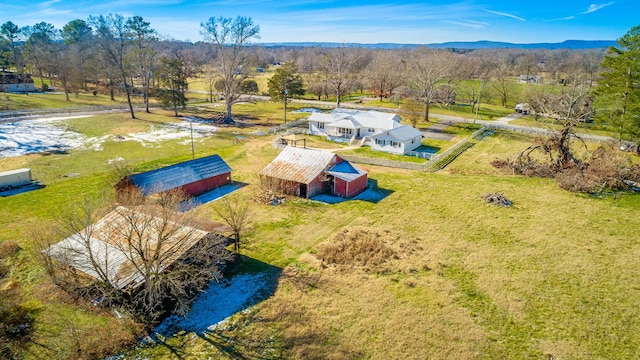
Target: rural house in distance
[(382, 131), (530, 79), (12, 82), (193, 177), (307, 173)]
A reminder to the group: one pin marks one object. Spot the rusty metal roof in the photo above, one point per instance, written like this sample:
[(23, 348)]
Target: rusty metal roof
[(298, 164), (102, 250)]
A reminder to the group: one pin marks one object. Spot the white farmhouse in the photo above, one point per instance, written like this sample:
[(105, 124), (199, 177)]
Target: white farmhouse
[(400, 140), (344, 123), (381, 130)]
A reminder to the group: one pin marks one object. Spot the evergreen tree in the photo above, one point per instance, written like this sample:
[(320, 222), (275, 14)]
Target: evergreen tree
[(173, 83), (618, 93), (285, 84)]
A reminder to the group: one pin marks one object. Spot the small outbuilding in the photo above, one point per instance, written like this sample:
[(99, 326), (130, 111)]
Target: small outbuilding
[(348, 181), (309, 172), (15, 178), (193, 178), (400, 140)]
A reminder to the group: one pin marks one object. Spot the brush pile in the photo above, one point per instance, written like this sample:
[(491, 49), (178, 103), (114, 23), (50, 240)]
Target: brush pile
[(496, 199)]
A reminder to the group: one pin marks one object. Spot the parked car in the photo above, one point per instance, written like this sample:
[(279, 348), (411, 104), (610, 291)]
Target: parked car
[(523, 108)]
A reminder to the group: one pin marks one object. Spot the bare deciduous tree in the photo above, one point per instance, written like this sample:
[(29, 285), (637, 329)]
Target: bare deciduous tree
[(569, 105), (412, 111), (229, 37), (235, 213), (503, 84), (114, 39), (341, 66), (141, 258), (143, 52), (428, 68), (384, 73)]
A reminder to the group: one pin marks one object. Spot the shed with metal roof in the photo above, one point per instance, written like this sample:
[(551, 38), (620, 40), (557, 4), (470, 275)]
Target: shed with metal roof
[(193, 178), (103, 250), (309, 172)]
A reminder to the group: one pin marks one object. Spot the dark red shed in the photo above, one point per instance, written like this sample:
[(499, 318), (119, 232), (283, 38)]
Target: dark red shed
[(193, 177), (348, 181)]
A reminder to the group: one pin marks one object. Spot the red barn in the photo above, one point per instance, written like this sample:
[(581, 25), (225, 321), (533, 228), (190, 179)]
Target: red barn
[(193, 177), (307, 173)]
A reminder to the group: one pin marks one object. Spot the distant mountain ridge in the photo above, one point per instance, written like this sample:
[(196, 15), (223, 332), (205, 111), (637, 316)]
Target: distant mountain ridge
[(472, 45)]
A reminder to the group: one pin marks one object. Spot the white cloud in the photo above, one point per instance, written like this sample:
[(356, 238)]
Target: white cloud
[(505, 14), (468, 23), (571, 17), (596, 7)]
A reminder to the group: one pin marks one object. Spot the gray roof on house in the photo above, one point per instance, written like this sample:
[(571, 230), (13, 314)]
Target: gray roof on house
[(298, 164), (173, 176), (402, 133), (101, 250), (345, 171), (346, 123), (530, 77), (368, 119)]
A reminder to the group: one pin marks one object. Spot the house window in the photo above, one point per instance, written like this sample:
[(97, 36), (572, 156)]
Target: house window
[(413, 141), (371, 130), (395, 144), (320, 125), (344, 131), (380, 142)]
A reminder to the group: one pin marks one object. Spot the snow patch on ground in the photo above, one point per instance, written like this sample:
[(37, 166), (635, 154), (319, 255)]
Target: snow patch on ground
[(171, 132), (36, 136), (220, 301), (48, 135)]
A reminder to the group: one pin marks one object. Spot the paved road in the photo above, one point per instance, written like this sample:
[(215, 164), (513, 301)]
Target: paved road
[(502, 123), (446, 120)]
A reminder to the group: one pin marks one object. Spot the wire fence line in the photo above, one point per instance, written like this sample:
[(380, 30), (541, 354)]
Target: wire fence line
[(434, 162), (383, 162), (13, 115)]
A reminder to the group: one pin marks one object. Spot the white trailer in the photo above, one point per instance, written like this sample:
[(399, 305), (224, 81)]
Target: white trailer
[(14, 178)]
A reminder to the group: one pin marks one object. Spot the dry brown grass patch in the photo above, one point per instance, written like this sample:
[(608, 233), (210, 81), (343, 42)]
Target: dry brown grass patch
[(357, 247)]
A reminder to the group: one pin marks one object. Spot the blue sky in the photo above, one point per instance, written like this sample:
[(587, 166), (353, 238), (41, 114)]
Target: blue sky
[(370, 21)]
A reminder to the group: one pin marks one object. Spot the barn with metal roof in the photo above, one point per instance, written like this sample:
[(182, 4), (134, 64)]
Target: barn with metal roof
[(193, 177), (103, 250), (309, 172)]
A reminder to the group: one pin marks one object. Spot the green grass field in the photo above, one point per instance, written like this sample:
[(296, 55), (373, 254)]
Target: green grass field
[(555, 273)]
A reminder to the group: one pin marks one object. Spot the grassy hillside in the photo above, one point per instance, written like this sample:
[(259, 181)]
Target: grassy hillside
[(553, 274)]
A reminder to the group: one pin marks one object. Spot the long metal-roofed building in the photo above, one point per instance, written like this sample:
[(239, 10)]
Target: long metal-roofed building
[(103, 250), (193, 177), (308, 172)]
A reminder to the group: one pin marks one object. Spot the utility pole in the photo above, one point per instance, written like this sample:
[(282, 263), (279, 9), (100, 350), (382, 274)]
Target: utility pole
[(193, 151), (286, 99), (478, 104)]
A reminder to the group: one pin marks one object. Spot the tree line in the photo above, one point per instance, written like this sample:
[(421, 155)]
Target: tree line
[(127, 55)]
